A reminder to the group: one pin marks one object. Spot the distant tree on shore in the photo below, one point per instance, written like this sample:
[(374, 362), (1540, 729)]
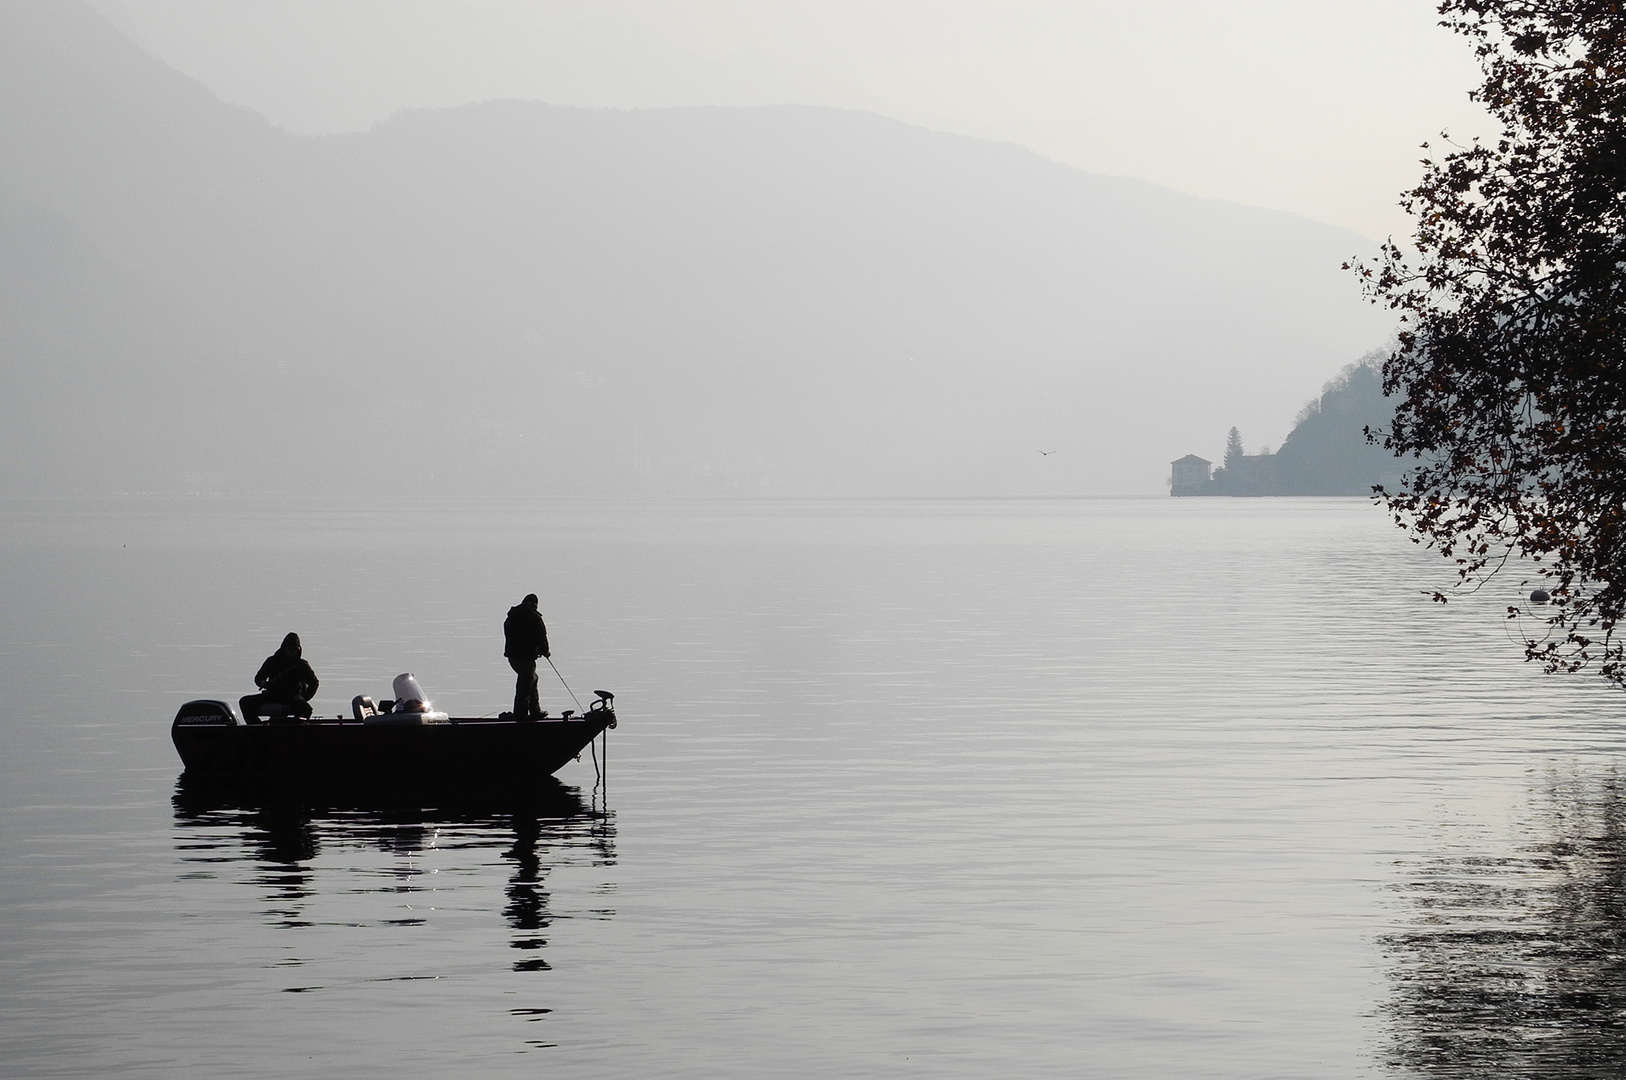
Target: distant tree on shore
[(1510, 371), (1233, 448)]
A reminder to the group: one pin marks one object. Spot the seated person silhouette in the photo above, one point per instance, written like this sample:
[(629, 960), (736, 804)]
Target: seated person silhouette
[(288, 684)]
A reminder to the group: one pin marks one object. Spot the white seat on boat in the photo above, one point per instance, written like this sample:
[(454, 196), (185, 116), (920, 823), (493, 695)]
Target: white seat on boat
[(406, 719)]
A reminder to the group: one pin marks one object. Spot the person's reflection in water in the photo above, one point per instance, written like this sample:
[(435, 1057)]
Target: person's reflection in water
[(1514, 963), (527, 908), (281, 838)]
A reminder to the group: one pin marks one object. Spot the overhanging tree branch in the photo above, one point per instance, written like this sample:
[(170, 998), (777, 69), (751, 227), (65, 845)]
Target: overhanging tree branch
[(1511, 365)]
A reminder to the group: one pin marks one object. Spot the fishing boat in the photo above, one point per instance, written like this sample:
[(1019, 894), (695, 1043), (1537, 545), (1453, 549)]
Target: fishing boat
[(404, 740)]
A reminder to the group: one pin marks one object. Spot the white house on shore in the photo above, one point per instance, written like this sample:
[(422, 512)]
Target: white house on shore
[(1189, 475)]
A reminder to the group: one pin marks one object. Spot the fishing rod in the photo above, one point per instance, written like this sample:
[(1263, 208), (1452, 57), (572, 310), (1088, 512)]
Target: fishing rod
[(566, 685)]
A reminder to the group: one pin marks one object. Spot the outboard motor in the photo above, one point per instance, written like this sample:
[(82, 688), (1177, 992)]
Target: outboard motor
[(206, 712)]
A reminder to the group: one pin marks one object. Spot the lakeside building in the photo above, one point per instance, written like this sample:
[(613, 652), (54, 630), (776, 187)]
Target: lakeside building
[(1189, 475), (1246, 475)]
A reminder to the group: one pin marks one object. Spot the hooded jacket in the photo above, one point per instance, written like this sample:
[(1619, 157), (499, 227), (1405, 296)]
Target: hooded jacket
[(285, 675), (525, 636)]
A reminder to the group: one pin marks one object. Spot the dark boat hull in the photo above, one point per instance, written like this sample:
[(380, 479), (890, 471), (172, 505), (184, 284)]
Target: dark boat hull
[(462, 751)]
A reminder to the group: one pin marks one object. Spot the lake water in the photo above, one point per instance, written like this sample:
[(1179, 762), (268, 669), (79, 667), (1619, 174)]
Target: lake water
[(1139, 788)]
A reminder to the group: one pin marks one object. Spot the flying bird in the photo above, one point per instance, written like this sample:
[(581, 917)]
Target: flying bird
[(1047, 453)]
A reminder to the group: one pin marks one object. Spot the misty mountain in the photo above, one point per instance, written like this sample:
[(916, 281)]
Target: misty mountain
[(518, 297)]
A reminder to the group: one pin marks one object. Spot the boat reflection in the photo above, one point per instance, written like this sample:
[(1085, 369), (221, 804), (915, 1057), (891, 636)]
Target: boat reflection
[(1512, 962), (286, 833)]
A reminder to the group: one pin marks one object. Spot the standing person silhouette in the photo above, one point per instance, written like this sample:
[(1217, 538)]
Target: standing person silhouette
[(525, 637), (287, 682)]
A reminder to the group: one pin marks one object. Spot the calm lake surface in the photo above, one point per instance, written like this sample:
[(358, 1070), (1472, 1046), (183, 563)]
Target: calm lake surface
[(951, 789)]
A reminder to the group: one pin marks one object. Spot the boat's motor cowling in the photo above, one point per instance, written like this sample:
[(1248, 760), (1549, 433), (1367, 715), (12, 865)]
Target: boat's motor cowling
[(206, 712)]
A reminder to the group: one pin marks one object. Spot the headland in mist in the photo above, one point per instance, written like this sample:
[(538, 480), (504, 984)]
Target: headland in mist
[(521, 298)]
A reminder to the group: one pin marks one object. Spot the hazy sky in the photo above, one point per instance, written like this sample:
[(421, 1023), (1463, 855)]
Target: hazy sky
[(1311, 106)]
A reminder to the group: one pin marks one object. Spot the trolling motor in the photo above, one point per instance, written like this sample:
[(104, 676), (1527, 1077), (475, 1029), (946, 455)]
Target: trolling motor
[(605, 703)]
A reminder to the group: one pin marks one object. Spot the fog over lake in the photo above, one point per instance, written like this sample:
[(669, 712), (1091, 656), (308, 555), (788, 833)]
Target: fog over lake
[(514, 297)]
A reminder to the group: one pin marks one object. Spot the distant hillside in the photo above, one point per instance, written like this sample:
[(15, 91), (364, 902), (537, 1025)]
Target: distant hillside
[(522, 298), (103, 386), (1326, 453)]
